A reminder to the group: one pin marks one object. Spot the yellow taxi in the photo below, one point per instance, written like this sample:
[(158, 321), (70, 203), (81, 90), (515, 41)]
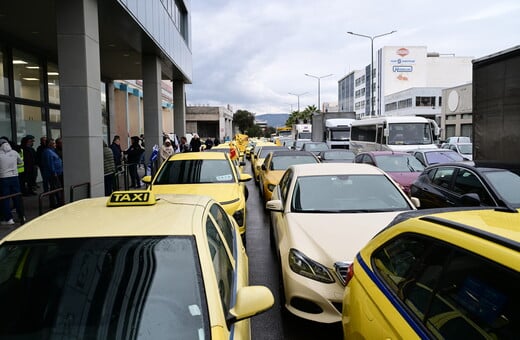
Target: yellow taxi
[(204, 173), (274, 167), (437, 274), (135, 265), (231, 149), (259, 158)]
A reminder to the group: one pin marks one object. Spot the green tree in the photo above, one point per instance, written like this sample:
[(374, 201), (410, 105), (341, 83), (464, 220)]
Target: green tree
[(244, 120), (300, 117), (254, 131), (269, 131)]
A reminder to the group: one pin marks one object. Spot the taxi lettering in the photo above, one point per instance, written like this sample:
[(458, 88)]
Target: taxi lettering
[(130, 197)]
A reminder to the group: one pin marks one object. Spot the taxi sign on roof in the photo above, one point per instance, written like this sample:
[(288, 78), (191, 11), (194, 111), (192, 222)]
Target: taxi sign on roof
[(125, 198)]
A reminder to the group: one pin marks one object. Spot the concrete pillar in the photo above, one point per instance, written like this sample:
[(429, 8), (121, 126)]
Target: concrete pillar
[(80, 97), (111, 111), (152, 109), (179, 108)]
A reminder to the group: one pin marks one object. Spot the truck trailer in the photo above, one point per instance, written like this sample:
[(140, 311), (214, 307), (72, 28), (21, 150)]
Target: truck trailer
[(496, 108)]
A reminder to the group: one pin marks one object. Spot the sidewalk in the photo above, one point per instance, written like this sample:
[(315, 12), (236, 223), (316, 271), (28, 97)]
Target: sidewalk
[(31, 206)]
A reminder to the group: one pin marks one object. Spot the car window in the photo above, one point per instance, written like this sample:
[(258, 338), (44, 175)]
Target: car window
[(225, 224), (404, 163), (284, 162), (113, 287), (443, 177), (506, 184), (346, 193), (285, 182), (420, 157), (455, 293), (195, 171), (443, 156), (222, 265), (467, 182)]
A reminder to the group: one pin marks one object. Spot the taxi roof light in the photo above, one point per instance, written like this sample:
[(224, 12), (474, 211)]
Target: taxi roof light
[(129, 198)]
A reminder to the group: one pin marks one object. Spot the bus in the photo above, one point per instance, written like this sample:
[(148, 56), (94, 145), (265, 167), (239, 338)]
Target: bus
[(393, 133), (284, 131)]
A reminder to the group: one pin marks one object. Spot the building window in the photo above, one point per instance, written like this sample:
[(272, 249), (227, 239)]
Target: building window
[(451, 117), (5, 119), (53, 80), (440, 101), (391, 106), (27, 76), (425, 101), (4, 81), (450, 131), (466, 130), (466, 116), (29, 121), (404, 103)]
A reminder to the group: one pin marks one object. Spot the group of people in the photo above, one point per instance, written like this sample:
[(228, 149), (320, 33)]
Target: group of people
[(19, 165)]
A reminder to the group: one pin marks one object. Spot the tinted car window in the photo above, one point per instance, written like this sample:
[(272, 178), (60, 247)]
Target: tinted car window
[(196, 171), (283, 162), (226, 226), (443, 176), (443, 157), (403, 163), (285, 182), (109, 288), (467, 182), (456, 294)]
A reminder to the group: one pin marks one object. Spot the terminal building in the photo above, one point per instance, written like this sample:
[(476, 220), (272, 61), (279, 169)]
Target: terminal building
[(60, 62)]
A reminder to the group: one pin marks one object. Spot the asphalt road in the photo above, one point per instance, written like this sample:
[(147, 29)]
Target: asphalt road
[(276, 323)]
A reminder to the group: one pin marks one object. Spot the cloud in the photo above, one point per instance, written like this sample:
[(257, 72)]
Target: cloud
[(251, 54)]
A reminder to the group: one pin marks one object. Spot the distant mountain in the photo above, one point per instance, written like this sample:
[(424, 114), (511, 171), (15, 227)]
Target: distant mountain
[(273, 119)]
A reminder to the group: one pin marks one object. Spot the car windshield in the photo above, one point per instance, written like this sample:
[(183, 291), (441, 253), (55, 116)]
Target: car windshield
[(283, 162), (506, 184), (399, 163), (102, 288), (315, 146), (435, 157), (338, 155), (194, 171), (265, 151), (346, 194)]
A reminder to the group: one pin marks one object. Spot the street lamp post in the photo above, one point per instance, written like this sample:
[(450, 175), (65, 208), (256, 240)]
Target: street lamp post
[(319, 91), (371, 63), (298, 95)]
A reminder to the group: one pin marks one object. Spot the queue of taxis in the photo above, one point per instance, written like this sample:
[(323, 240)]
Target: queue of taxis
[(259, 156), (204, 173), (274, 167), (438, 274), (136, 265)]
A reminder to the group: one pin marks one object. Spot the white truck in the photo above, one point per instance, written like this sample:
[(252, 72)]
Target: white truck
[(337, 132), (302, 132)]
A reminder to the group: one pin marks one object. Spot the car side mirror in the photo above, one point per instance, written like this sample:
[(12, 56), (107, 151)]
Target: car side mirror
[(470, 199), (245, 177), (416, 202), (147, 179), (250, 301), (274, 205)]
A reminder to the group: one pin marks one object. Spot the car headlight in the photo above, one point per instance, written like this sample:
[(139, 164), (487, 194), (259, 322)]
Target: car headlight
[(271, 187), (301, 264), (239, 217)]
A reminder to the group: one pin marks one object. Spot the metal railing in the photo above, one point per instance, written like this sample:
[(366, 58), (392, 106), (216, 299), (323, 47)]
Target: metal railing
[(57, 201), (73, 189)]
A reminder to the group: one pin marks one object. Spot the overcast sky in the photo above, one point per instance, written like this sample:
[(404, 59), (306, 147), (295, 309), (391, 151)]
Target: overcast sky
[(251, 53)]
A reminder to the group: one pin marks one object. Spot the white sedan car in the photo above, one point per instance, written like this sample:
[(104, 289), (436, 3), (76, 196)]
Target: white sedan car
[(321, 216)]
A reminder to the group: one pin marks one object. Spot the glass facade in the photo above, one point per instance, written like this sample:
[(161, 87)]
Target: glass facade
[(4, 89), (5, 120), (27, 76), (29, 121)]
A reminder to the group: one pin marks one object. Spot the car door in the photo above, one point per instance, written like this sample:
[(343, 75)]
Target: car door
[(434, 188), (278, 219), (468, 182)]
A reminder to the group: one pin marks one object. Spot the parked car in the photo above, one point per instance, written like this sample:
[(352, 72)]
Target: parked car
[(259, 157), (204, 173), (435, 156), (321, 214), (437, 275), (336, 156), (298, 144), (134, 265), (456, 184), (458, 139), (463, 149), (401, 166), (275, 165), (315, 147)]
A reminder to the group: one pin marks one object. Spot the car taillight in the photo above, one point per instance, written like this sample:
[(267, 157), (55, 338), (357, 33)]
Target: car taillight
[(349, 274)]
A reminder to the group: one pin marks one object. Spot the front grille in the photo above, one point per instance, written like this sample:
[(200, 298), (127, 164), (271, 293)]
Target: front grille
[(341, 268)]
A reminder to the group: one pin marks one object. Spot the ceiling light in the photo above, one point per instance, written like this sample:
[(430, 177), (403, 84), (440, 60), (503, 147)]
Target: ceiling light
[(53, 73), (30, 79), (19, 62), (32, 67)]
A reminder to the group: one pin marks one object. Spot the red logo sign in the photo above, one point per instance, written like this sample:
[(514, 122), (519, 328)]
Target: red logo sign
[(403, 52)]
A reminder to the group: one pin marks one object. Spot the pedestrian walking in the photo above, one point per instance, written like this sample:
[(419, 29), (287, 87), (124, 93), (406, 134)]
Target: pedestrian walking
[(167, 149), (109, 169), (195, 143), (133, 155), (52, 172), (30, 165)]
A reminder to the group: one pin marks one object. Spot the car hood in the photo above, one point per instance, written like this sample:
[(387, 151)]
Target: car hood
[(328, 238), (223, 193)]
